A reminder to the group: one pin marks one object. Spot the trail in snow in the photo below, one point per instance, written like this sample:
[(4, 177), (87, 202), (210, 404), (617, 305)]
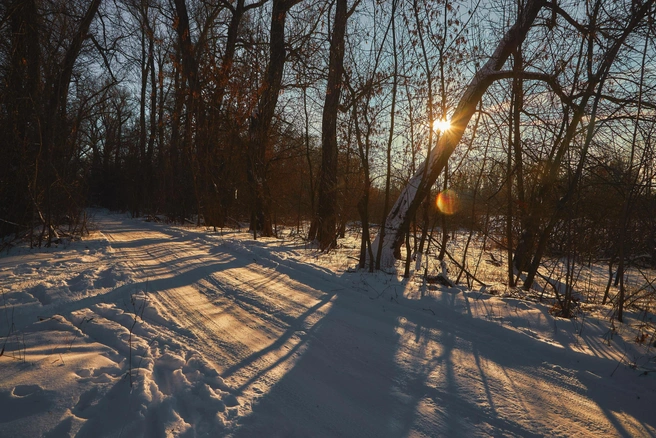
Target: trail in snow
[(236, 337)]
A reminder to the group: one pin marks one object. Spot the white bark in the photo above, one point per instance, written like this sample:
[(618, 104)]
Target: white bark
[(398, 220)]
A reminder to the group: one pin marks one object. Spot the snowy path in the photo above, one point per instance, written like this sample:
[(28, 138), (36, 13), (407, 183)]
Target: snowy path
[(242, 313), (243, 338)]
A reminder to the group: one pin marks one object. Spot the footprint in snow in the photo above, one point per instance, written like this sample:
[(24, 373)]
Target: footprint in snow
[(98, 375), (84, 280), (25, 269), (85, 401), (108, 278), (24, 401), (40, 292), (25, 390)]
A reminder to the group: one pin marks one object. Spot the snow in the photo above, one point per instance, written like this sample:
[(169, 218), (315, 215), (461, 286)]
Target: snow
[(145, 329)]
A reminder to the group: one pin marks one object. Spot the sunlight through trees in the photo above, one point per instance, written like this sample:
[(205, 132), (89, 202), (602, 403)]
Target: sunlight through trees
[(319, 115)]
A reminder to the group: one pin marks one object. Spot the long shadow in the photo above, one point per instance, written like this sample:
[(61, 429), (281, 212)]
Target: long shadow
[(139, 243), (510, 351), (122, 293), (434, 381), (335, 373), (334, 388), (348, 377), (277, 344)]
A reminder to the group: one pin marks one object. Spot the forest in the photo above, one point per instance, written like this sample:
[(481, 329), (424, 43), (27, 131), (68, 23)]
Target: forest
[(527, 125)]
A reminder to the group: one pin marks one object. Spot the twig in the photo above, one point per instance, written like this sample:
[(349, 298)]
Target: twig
[(458, 264), (620, 361)]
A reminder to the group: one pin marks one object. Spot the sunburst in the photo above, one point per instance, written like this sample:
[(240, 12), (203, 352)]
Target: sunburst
[(441, 125)]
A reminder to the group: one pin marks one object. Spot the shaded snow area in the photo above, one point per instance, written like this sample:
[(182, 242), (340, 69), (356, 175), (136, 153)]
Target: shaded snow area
[(145, 329)]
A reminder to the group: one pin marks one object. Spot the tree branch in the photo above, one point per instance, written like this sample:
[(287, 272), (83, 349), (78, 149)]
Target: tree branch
[(554, 7)]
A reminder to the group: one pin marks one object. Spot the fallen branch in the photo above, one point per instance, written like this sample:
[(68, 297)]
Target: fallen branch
[(473, 277)]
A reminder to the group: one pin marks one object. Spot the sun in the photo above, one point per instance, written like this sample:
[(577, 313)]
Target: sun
[(441, 125)]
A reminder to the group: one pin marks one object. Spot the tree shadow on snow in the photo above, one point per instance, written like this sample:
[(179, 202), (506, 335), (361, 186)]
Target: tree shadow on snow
[(357, 362), (392, 367)]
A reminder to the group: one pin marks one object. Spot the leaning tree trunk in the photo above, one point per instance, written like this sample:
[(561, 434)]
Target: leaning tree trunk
[(398, 220)]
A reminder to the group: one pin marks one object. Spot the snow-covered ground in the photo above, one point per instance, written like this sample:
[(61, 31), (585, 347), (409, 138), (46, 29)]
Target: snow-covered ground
[(146, 329)]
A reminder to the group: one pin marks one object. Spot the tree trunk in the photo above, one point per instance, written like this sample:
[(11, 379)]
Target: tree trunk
[(20, 166), (516, 170), (629, 192), (55, 127), (260, 123), (398, 220), (190, 75), (390, 138), (326, 219), (363, 203)]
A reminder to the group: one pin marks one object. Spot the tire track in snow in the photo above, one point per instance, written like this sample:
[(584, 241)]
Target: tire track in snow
[(239, 315), (150, 263), (249, 312)]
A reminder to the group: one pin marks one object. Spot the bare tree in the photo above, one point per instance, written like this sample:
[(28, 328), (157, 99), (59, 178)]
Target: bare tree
[(324, 228), (260, 123), (38, 121), (398, 221)]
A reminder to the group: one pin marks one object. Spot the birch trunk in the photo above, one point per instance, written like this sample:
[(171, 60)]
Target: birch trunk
[(398, 220)]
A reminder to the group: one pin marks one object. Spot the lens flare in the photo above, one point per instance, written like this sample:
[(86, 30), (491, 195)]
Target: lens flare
[(448, 202), (441, 125)]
